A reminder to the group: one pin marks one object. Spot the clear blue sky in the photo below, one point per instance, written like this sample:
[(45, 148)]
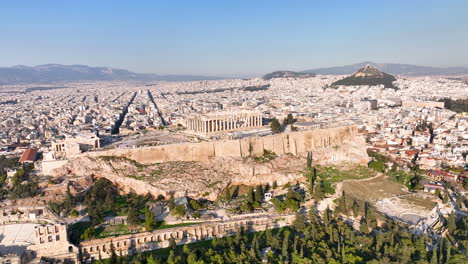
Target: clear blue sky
[(232, 38)]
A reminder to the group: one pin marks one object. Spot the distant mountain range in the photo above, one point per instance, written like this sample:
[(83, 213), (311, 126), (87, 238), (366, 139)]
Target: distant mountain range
[(391, 68), (287, 74), (368, 75), (50, 73)]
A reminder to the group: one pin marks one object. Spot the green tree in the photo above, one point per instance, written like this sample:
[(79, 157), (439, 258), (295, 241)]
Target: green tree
[(250, 195), (285, 246), (355, 208), (179, 210), (172, 243), (133, 217), (363, 227), (451, 222), (292, 204), (289, 120), (227, 195), (318, 192), (326, 217), (247, 207), (313, 217), (259, 194), (445, 199), (434, 257), (89, 233), (342, 203), (194, 205), (152, 260), (150, 223), (113, 257), (170, 203), (275, 126), (278, 205), (299, 222)]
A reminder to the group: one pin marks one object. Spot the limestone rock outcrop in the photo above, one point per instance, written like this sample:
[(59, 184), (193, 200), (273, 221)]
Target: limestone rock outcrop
[(217, 165)]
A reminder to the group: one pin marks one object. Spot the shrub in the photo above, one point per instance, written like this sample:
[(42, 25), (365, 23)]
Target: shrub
[(179, 210), (74, 213), (377, 166)]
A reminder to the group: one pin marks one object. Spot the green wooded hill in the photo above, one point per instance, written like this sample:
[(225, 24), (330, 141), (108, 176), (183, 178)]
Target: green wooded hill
[(287, 74), (368, 75)]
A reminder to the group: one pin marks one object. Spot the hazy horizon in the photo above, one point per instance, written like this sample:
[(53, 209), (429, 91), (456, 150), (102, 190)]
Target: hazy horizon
[(239, 39)]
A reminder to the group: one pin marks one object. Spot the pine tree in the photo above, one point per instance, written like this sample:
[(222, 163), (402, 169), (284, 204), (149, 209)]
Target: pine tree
[(152, 260), (255, 246), (448, 249), (171, 203), (259, 194), (309, 160), (290, 119), (342, 204), (445, 199), (285, 246), (150, 223), (440, 254), (363, 228), (326, 216), (299, 222), (451, 222), (434, 256), (227, 195), (318, 193), (355, 209), (312, 215), (172, 243), (113, 257), (275, 126), (214, 243), (250, 195), (368, 213)]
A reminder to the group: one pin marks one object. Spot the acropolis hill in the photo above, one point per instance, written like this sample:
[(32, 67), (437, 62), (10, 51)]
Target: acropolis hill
[(217, 164)]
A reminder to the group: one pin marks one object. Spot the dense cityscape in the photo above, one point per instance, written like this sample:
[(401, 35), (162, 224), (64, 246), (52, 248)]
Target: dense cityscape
[(223, 144)]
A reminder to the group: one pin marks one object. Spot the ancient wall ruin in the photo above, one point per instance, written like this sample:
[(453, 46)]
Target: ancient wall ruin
[(131, 244), (294, 143), (51, 242)]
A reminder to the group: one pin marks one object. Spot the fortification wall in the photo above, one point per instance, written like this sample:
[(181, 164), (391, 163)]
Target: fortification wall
[(294, 143), (130, 244)]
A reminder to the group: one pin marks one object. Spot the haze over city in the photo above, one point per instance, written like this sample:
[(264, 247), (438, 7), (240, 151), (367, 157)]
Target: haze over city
[(192, 132), (233, 38)]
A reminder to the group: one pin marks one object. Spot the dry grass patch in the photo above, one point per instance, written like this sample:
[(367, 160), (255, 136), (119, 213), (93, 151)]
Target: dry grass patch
[(373, 189)]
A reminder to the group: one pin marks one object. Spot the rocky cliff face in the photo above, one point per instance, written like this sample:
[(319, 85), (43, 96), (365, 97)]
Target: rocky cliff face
[(208, 178)]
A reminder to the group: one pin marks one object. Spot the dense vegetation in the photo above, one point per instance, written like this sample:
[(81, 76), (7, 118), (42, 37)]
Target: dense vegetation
[(103, 200), (7, 163), (287, 74), (311, 240), (220, 90), (22, 184), (372, 76), (275, 126), (411, 179), (458, 106)]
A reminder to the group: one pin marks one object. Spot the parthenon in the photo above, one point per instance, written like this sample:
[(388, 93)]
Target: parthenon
[(221, 122)]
